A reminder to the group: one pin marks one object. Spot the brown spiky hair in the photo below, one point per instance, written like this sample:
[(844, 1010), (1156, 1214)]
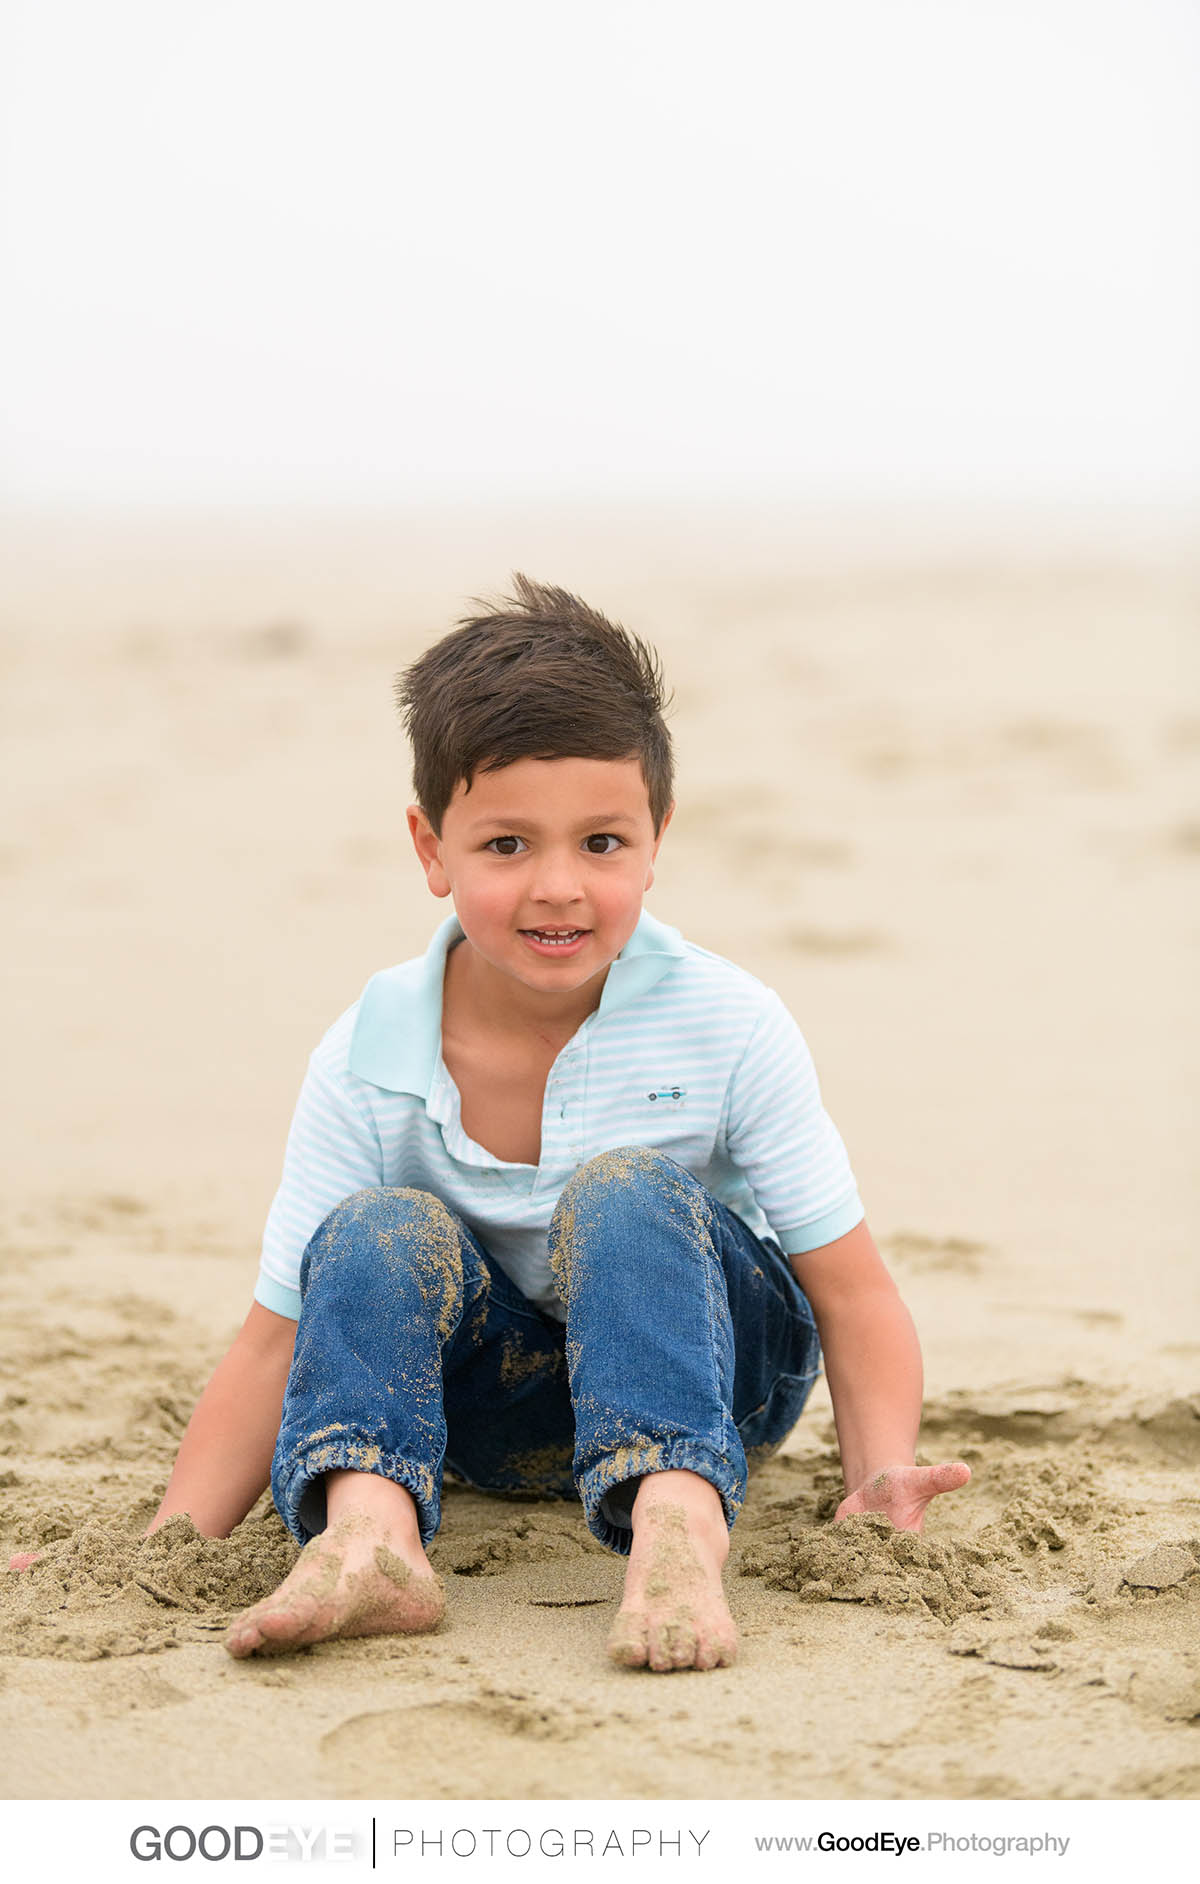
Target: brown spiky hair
[(539, 675)]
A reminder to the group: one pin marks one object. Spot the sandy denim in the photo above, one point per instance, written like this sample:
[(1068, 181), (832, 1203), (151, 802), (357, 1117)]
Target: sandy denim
[(688, 1343)]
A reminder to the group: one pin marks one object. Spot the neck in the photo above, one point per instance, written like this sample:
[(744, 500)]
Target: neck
[(484, 998)]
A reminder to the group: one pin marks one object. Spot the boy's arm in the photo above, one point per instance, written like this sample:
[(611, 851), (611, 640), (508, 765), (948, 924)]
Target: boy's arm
[(873, 1365), (224, 1460)]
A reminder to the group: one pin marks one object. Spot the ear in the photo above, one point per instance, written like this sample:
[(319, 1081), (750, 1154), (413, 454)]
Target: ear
[(670, 813), (428, 847)]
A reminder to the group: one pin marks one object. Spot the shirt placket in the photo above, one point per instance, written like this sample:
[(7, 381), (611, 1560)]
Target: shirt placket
[(562, 1116)]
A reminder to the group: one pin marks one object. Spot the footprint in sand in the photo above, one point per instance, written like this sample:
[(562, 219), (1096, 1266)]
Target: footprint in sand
[(834, 942), (1028, 1414), (454, 1749), (1162, 1682), (1181, 735), (759, 851), (1184, 839), (959, 1255), (1077, 752), (1161, 1429), (142, 1690), (142, 1311), (1168, 1428)]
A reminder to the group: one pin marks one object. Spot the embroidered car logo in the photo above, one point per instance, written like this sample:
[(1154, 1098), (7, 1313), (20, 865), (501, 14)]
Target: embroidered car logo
[(668, 1092)]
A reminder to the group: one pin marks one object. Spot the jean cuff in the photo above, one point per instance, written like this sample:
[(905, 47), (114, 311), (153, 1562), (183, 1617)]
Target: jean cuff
[(608, 1488), (300, 1497)]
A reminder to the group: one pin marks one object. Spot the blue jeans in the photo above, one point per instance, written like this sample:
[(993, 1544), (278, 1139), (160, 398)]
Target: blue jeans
[(688, 1343)]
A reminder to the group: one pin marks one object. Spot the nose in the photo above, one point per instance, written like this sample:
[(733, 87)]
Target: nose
[(556, 878)]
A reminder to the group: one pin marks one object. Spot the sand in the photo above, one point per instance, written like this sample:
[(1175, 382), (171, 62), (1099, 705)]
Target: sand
[(947, 806)]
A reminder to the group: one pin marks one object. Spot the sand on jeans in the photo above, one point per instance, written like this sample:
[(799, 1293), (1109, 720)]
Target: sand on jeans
[(947, 806)]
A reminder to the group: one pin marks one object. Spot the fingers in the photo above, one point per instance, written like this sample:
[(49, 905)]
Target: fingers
[(945, 1478), (902, 1492), (23, 1559)]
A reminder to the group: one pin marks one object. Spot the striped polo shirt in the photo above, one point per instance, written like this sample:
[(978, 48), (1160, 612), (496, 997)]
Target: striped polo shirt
[(686, 1053)]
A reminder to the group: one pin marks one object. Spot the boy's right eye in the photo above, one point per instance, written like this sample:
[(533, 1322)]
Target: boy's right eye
[(505, 846)]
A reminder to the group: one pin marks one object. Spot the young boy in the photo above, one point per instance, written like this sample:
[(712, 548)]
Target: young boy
[(561, 1209)]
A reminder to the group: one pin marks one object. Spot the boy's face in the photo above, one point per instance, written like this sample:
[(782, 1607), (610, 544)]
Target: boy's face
[(547, 861)]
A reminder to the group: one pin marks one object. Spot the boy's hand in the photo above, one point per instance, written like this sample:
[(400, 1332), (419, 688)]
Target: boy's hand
[(902, 1492), (24, 1559)]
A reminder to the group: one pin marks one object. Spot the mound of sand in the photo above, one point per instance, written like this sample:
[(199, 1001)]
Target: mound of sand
[(864, 1560)]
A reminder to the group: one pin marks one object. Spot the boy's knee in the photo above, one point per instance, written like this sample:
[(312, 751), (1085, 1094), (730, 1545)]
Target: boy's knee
[(603, 1190), (623, 1169), (393, 1232)]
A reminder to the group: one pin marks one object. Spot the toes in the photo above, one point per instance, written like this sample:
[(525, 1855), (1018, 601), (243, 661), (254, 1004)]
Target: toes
[(711, 1654), (727, 1650), (242, 1638), (271, 1627), (643, 1637), (627, 1644), (675, 1645), (714, 1642)]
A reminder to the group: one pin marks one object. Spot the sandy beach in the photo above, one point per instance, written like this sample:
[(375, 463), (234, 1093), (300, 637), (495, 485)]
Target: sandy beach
[(945, 801)]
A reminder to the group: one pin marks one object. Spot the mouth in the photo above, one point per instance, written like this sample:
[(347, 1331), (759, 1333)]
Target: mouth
[(557, 941)]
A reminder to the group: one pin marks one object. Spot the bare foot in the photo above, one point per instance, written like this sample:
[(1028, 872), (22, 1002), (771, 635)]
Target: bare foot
[(673, 1613), (366, 1574)]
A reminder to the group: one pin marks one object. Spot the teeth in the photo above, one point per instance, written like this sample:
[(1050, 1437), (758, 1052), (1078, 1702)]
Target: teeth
[(556, 935)]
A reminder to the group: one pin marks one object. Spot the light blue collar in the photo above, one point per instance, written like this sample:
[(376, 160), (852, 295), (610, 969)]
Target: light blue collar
[(397, 1037)]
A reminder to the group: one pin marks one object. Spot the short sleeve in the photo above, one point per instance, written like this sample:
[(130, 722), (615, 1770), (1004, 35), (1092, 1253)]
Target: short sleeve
[(781, 1138), (333, 1150)]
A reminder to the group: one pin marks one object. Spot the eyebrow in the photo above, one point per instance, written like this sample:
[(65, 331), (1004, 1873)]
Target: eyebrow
[(604, 821)]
